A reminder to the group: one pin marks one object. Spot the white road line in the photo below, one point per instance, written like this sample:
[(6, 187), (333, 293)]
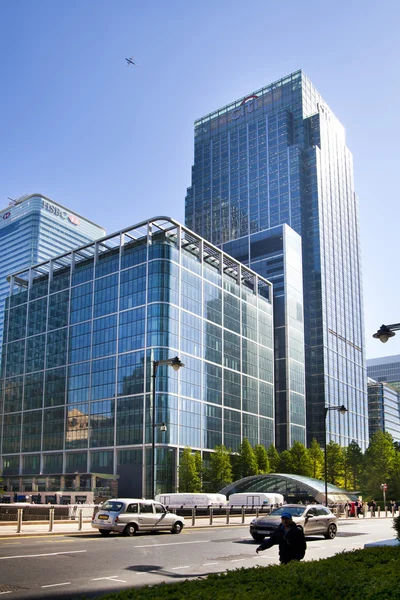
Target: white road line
[(37, 555), (238, 560), (207, 564), (56, 584), (100, 578), (4, 593), (184, 567), (173, 544)]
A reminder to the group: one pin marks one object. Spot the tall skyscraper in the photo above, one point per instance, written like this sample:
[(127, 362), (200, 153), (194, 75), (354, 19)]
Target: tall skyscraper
[(383, 409), (34, 229), (279, 156)]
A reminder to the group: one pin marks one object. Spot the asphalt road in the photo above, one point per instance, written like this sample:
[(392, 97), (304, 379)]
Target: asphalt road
[(70, 567)]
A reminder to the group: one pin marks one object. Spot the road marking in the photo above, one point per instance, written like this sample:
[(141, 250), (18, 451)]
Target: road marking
[(56, 584), (110, 578), (238, 560), (37, 555), (207, 564), (5, 593), (173, 544), (184, 567)]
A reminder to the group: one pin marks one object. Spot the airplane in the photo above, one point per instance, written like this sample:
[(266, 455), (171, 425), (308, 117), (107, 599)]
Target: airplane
[(130, 62)]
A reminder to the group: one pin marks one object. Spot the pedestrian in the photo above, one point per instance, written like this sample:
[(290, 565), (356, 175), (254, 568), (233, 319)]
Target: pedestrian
[(372, 506), (290, 539)]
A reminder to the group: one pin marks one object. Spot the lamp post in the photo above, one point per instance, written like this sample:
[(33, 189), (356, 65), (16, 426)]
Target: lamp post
[(386, 331), (176, 364), (342, 410)]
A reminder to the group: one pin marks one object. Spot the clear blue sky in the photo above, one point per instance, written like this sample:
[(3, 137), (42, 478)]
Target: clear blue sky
[(115, 144)]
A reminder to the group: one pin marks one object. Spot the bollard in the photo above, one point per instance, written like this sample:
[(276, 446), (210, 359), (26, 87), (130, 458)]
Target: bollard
[(193, 515), (228, 512), (365, 508), (80, 519), (242, 514), (385, 510), (346, 513), (19, 519), (51, 519), (393, 511), (211, 515), (257, 512), (379, 511)]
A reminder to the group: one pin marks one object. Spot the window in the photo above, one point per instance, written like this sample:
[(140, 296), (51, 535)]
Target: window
[(159, 509), (146, 508), (132, 508)]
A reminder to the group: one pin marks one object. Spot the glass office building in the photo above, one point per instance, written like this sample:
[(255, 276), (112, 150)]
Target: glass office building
[(386, 368), (81, 332), (383, 409), (276, 254), (33, 229), (279, 156)]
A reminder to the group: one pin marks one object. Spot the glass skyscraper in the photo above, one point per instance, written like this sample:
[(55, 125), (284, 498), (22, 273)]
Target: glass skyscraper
[(279, 156), (383, 409), (386, 368), (81, 331), (34, 229)]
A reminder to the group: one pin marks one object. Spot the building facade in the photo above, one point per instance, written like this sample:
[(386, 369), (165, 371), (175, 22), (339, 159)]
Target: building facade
[(276, 254), (383, 409), (385, 369), (81, 332), (33, 229), (279, 156)]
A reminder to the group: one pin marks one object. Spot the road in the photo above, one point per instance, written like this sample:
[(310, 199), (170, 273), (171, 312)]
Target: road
[(69, 567)]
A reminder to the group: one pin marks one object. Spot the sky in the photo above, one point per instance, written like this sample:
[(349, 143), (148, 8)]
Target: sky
[(115, 143)]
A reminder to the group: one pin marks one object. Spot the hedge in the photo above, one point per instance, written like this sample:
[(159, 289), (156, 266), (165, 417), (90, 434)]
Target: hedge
[(369, 574)]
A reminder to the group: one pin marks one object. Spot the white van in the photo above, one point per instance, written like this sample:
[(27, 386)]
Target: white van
[(255, 499), (191, 499)]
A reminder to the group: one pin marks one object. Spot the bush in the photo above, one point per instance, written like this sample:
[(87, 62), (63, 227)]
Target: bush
[(370, 574)]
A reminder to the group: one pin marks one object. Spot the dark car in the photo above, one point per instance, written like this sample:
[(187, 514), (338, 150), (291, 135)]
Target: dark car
[(315, 519)]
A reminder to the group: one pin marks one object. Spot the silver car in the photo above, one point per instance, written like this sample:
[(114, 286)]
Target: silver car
[(315, 519), (130, 515)]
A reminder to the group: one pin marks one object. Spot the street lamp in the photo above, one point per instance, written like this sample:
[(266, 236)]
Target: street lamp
[(176, 364), (342, 410), (386, 331)]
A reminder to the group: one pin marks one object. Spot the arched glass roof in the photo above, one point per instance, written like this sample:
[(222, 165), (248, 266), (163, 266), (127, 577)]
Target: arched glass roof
[(294, 488)]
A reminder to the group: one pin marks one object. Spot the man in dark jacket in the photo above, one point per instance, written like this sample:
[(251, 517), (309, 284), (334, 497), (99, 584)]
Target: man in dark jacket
[(289, 537)]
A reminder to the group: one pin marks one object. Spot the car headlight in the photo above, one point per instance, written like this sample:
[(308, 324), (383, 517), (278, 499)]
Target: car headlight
[(253, 522)]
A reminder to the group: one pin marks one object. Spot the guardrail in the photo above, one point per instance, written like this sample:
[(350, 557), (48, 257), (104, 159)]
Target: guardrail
[(41, 512)]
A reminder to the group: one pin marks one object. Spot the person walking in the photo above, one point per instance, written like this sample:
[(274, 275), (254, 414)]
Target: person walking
[(372, 507), (290, 539)]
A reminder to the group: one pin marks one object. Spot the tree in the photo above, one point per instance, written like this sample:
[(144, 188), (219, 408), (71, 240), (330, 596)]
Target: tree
[(273, 458), (316, 456), (300, 459), (189, 478), (245, 461), (285, 462), (394, 481), (334, 463), (379, 461), (261, 458), (354, 464), (199, 467), (219, 473)]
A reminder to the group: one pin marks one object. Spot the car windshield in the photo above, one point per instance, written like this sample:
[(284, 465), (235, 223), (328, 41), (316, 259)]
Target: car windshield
[(112, 506), (295, 511)]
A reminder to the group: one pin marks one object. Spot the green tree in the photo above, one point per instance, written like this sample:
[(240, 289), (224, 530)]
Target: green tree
[(199, 467), (354, 460), (189, 478), (261, 458), (245, 462), (316, 456), (300, 459), (394, 480), (334, 463), (273, 457), (219, 473), (285, 462), (378, 466)]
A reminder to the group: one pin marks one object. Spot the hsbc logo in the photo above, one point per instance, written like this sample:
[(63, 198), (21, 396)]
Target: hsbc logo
[(6, 215), (60, 213)]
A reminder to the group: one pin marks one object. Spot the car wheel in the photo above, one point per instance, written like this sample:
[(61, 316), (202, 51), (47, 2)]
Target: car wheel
[(331, 532), (130, 529), (177, 528), (257, 537), (105, 531)]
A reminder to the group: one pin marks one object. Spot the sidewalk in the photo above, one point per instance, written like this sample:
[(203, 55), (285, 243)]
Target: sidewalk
[(41, 528)]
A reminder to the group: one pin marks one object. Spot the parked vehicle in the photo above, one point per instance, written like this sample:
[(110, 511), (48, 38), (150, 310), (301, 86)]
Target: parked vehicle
[(191, 499), (315, 519), (255, 499), (130, 516)]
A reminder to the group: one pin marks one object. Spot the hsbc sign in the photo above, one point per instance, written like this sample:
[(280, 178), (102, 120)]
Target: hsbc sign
[(58, 212)]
